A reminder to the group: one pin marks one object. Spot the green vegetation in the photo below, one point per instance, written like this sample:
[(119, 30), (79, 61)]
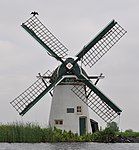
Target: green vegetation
[(129, 134), (33, 133), (18, 132), (113, 126)]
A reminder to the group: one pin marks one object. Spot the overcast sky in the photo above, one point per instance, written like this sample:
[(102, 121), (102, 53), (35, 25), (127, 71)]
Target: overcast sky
[(75, 23)]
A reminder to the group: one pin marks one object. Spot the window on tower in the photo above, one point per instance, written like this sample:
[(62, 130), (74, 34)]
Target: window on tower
[(58, 122), (79, 109), (70, 110)]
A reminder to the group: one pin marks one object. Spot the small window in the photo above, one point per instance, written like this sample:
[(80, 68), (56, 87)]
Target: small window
[(70, 110), (59, 122), (79, 109)]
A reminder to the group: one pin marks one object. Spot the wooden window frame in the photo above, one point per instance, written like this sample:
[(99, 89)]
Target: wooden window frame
[(58, 122), (70, 110), (79, 109)]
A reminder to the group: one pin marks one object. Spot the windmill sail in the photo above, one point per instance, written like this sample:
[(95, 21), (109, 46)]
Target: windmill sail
[(100, 45), (96, 100), (53, 46), (32, 95)]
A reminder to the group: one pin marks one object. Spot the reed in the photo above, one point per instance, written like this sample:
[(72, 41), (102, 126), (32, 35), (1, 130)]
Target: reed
[(33, 133), (18, 132)]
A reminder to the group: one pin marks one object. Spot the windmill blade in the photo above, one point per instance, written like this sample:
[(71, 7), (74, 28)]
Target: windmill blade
[(43, 80), (32, 95), (100, 45), (96, 100), (38, 31)]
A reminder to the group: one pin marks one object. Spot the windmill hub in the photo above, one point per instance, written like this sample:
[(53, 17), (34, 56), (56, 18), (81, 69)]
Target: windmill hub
[(67, 69), (69, 63), (69, 66)]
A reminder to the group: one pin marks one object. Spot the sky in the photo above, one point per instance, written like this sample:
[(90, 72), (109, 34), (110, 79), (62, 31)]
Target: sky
[(74, 23)]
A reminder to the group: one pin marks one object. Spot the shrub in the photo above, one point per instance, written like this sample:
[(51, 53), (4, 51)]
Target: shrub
[(113, 126)]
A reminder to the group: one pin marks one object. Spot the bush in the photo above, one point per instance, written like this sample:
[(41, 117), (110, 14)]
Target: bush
[(113, 126), (106, 135)]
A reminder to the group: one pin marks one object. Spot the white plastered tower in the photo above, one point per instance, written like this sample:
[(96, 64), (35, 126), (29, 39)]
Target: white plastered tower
[(68, 112)]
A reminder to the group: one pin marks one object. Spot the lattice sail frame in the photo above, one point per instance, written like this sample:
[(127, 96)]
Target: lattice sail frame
[(35, 25), (31, 93), (101, 108), (103, 45)]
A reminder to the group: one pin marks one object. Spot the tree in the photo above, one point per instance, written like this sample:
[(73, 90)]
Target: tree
[(113, 125), (129, 130)]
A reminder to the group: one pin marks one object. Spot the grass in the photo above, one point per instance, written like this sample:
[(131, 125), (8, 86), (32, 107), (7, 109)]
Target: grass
[(33, 133)]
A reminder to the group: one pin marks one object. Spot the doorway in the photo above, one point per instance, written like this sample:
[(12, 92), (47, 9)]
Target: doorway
[(82, 125)]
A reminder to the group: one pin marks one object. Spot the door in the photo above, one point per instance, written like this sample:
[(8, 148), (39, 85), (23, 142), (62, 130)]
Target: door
[(82, 125)]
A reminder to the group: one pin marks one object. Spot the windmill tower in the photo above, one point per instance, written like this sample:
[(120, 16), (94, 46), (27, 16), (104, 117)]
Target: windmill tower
[(72, 90)]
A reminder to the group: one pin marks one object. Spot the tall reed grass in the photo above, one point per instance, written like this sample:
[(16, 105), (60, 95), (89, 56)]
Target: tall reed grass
[(33, 133), (18, 132)]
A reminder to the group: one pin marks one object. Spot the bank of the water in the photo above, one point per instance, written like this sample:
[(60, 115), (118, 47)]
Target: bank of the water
[(69, 146), (33, 133)]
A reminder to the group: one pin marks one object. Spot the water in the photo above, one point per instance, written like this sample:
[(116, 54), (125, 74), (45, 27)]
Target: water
[(70, 146)]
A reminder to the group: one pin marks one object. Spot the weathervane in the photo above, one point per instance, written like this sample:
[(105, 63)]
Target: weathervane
[(34, 13)]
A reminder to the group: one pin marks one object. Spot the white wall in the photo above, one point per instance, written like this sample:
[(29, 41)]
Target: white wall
[(63, 98)]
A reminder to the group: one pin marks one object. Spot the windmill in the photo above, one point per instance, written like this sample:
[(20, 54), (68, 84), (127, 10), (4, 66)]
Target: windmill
[(72, 90)]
